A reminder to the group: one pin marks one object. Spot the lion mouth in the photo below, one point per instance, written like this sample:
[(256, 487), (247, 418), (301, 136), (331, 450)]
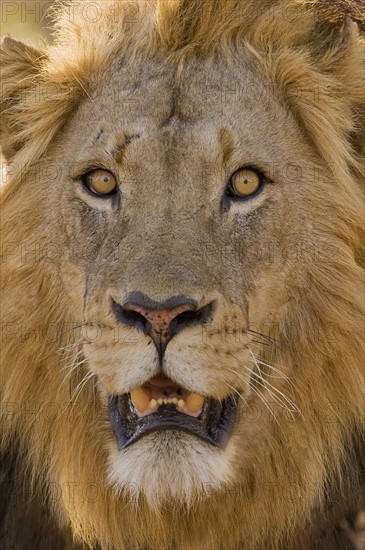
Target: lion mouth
[(160, 404)]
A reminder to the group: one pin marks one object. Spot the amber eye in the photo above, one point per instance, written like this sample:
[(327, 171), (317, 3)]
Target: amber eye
[(245, 183), (100, 182)]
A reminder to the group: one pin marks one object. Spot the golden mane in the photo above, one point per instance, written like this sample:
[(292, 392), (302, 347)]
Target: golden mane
[(322, 81)]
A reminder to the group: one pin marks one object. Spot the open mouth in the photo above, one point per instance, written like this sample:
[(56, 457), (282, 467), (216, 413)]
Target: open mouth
[(160, 404)]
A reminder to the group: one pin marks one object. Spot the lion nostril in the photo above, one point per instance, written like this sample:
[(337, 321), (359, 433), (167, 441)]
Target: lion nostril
[(133, 317), (130, 317), (189, 318), (184, 319)]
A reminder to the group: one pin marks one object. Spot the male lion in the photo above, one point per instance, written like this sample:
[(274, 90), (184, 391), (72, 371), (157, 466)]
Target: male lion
[(183, 313)]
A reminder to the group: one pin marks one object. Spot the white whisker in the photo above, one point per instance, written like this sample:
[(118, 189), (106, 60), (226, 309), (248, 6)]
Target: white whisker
[(266, 383), (277, 395), (270, 366), (80, 386), (256, 392), (238, 393)]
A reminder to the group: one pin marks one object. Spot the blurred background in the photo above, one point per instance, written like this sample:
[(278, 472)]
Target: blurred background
[(26, 20)]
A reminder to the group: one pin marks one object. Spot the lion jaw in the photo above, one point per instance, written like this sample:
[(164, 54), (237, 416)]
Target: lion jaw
[(169, 466)]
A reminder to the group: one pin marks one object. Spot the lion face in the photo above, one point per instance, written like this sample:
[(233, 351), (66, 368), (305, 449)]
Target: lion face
[(183, 210)]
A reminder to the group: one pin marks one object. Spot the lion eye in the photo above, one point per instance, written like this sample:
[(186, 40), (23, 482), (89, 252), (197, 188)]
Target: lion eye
[(245, 183), (100, 182)]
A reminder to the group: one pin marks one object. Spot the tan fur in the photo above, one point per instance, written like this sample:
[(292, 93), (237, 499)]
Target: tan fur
[(204, 88)]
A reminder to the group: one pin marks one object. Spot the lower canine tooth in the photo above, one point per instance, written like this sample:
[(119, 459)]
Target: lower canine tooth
[(140, 398), (153, 404), (194, 402)]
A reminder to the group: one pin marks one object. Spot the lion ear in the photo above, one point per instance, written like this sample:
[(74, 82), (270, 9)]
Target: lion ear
[(351, 73), (20, 65), (332, 112), (341, 36)]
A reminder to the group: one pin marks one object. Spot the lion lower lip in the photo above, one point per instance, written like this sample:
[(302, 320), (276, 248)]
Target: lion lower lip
[(138, 413)]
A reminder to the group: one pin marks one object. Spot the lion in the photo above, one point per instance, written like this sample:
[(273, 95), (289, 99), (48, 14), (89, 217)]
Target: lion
[(182, 366)]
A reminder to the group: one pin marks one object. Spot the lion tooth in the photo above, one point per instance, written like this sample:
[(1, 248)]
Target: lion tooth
[(194, 402), (160, 400), (181, 404), (174, 400), (140, 398), (153, 404)]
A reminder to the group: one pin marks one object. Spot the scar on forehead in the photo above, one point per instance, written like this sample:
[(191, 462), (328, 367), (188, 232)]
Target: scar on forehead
[(119, 144), (98, 136), (115, 145)]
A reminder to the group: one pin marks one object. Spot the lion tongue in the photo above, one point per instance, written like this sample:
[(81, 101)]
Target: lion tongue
[(146, 400)]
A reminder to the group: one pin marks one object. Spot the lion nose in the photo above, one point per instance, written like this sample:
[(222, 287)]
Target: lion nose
[(161, 320)]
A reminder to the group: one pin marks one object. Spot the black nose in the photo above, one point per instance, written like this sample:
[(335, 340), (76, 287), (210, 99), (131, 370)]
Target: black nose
[(161, 320)]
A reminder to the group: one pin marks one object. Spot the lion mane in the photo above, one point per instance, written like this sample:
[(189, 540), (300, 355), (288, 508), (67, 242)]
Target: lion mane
[(308, 472)]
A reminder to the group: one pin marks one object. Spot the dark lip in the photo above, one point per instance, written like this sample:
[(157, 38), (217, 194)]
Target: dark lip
[(214, 425)]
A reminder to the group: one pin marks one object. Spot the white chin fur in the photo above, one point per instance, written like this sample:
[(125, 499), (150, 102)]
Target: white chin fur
[(169, 466)]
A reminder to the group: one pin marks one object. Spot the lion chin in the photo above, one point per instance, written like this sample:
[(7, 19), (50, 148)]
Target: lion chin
[(182, 277), (169, 467)]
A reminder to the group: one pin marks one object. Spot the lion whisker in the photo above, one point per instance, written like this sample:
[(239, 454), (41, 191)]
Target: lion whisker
[(262, 383), (274, 388), (254, 390), (275, 393), (72, 359), (261, 343), (270, 366), (270, 339), (80, 386), (69, 347), (72, 369), (73, 362), (238, 393)]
